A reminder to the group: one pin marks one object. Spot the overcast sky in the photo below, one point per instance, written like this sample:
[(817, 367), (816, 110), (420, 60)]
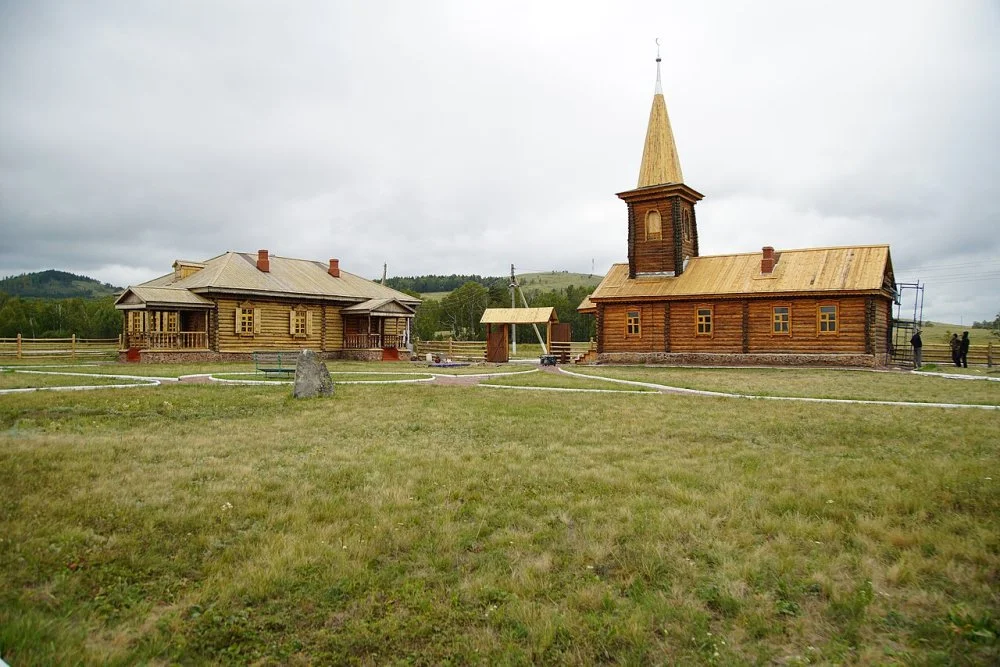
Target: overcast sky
[(461, 137)]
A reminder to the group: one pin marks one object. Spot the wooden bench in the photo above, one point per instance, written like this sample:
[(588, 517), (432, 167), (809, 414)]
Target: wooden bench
[(276, 362)]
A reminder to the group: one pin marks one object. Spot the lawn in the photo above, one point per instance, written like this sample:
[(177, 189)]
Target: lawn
[(558, 381), (820, 383), (12, 380), (429, 524)]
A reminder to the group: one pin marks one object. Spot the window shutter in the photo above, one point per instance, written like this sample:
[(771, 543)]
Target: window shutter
[(309, 323), (238, 311), (291, 322), (256, 320)]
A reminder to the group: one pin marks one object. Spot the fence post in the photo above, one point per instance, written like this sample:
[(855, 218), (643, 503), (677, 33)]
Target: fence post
[(119, 341), (72, 347), (989, 354), (18, 346), (451, 347)]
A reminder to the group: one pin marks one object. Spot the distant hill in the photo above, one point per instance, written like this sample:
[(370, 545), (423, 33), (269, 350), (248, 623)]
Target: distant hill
[(54, 284), (556, 280)]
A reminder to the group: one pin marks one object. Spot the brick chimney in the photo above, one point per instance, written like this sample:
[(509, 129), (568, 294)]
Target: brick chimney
[(263, 264), (335, 268), (767, 260)]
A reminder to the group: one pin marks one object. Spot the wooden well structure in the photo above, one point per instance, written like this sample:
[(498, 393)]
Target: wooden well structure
[(498, 321)]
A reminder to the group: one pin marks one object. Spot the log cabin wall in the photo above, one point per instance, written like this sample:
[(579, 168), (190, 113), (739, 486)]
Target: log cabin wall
[(883, 315), (333, 329), (804, 335), (747, 326), (272, 326), (727, 326), (652, 331), (654, 254)]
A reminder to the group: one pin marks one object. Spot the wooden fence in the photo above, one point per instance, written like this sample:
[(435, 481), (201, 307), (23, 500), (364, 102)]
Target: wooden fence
[(458, 350), (475, 350), (939, 353), (570, 350), (64, 348)]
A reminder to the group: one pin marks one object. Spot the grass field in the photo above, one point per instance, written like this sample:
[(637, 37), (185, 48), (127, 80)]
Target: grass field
[(837, 384), (429, 524)]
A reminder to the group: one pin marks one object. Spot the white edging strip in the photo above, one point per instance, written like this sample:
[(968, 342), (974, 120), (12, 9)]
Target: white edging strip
[(24, 390), (569, 389), (803, 399)]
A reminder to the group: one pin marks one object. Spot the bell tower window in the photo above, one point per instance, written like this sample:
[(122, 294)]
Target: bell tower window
[(653, 226)]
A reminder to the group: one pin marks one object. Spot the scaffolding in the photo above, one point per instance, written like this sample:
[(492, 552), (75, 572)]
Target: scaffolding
[(904, 328)]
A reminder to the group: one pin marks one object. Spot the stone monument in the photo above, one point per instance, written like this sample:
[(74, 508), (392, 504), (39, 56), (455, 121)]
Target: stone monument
[(312, 378)]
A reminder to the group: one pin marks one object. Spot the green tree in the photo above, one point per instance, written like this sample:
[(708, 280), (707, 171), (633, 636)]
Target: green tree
[(463, 308), (427, 321)]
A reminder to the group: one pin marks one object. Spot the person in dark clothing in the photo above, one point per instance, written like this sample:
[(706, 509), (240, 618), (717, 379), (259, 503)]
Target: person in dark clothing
[(918, 348), (964, 350), (956, 349)]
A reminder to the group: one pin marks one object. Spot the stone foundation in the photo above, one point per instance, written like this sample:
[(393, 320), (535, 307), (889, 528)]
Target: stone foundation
[(711, 359)]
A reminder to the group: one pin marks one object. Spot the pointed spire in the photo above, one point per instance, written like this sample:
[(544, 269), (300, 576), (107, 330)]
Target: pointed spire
[(660, 163)]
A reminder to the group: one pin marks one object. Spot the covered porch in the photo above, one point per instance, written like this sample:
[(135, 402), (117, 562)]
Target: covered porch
[(164, 319), (379, 326)]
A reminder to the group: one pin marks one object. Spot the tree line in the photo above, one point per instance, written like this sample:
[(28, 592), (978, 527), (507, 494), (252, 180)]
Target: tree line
[(58, 318), (457, 315), (435, 283), (988, 324)]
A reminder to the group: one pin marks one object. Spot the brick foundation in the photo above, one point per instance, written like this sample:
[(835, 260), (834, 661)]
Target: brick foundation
[(709, 359)]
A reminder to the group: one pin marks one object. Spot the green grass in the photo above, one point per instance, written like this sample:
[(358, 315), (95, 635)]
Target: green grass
[(12, 380), (951, 369), (859, 385), (551, 380), (203, 524), (940, 333)]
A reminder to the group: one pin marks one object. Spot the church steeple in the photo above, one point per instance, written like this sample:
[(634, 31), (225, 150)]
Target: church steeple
[(662, 229), (660, 164)]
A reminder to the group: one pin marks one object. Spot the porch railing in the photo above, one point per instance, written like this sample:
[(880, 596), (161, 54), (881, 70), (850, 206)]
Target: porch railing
[(174, 340), (372, 341), (362, 341)]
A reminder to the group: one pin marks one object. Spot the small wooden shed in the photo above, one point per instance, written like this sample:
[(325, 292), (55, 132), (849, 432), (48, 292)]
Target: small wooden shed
[(498, 339)]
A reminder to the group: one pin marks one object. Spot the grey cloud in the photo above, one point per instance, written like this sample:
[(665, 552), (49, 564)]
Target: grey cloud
[(454, 137)]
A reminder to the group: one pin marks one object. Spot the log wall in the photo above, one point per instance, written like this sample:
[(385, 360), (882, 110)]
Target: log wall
[(745, 326), (727, 327), (333, 328), (654, 255), (652, 332), (271, 328)]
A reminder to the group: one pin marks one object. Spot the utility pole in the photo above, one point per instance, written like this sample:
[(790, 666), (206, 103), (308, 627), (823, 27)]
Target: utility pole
[(385, 267), (513, 327)]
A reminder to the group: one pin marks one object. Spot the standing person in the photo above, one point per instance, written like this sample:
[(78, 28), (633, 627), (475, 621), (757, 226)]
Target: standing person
[(918, 348), (956, 349), (964, 350)]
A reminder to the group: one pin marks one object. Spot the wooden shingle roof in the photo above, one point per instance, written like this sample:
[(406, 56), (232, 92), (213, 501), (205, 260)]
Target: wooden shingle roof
[(519, 315), (809, 270)]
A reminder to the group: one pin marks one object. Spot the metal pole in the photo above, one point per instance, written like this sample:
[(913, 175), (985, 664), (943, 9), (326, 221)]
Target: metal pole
[(513, 327)]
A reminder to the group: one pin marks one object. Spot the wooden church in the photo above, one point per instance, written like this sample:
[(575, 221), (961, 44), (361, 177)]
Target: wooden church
[(670, 303)]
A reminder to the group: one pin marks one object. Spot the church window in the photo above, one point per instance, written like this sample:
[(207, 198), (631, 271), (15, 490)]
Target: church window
[(632, 323), (780, 317), (686, 218), (705, 321), (828, 319), (653, 226)]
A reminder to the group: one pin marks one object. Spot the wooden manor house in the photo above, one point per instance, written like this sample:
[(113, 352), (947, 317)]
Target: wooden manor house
[(669, 303), (235, 304)]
